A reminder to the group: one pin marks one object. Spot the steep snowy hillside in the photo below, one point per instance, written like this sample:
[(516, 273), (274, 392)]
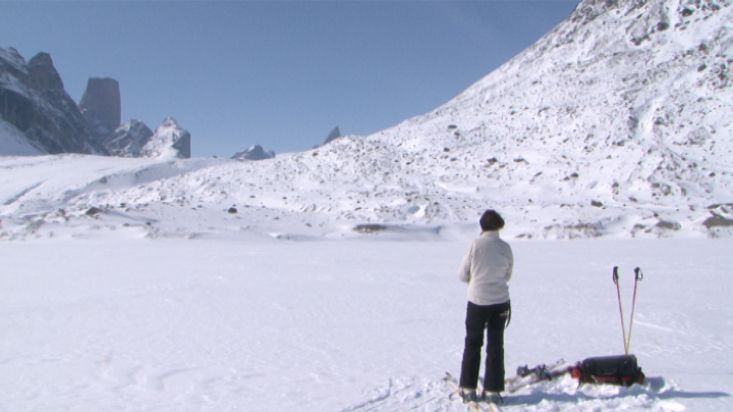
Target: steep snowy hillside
[(627, 104)]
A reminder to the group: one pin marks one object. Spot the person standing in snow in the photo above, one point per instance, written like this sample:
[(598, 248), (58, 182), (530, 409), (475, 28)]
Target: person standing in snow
[(487, 269)]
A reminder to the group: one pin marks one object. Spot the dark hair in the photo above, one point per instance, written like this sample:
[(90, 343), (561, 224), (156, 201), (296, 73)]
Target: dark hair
[(491, 220)]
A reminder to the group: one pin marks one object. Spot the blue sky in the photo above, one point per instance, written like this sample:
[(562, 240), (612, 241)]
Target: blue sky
[(280, 74)]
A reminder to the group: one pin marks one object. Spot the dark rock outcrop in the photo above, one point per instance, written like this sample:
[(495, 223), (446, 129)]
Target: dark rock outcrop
[(101, 105)]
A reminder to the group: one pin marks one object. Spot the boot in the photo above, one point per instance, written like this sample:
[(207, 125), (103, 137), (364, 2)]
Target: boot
[(468, 395)]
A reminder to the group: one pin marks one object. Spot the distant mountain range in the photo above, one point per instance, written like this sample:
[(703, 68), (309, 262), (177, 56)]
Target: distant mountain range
[(255, 152), (39, 117), (616, 123)]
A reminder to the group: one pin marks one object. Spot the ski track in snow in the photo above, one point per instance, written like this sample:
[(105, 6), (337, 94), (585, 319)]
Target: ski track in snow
[(22, 193), (362, 325)]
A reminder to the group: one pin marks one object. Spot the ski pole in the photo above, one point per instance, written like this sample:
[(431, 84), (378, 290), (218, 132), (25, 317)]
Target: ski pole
[(638, 275), (620, 309)]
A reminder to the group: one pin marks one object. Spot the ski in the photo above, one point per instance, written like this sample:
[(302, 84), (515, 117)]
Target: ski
[(477, 406), (524, 371), (528, 376)]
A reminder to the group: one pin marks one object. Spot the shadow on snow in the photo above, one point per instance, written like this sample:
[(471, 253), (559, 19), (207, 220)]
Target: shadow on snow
[(656, 389)]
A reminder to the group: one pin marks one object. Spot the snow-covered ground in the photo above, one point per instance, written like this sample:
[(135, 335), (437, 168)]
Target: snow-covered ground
[(261, 324)]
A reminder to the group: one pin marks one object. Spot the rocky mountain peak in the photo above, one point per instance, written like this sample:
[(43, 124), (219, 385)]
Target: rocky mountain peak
[(12, 51), (101, 105), (333, 135), (128, 140), (43, 74), (12, 61), (170, 140)]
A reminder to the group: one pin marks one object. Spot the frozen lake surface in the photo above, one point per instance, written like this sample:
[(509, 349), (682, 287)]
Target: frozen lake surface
[(355, 325)]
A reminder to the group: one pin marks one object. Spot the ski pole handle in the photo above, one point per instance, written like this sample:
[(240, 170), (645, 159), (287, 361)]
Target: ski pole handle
[(615, 274), (638, 273)]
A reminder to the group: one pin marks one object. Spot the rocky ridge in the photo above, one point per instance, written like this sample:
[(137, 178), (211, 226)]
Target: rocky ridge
[(33, 100)]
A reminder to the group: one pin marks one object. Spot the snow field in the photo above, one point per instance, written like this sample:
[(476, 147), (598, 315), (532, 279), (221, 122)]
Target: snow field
[(223, 325), (296, 196)]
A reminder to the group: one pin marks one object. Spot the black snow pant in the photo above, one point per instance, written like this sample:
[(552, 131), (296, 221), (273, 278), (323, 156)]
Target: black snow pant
[(491, 318)]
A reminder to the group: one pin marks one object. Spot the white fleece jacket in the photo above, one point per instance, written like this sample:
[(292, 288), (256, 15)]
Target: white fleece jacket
[(487, 269)]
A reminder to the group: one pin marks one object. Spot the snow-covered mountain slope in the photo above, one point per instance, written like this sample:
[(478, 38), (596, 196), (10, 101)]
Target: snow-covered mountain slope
[(627, 104), (616, 123), (14, 142)]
